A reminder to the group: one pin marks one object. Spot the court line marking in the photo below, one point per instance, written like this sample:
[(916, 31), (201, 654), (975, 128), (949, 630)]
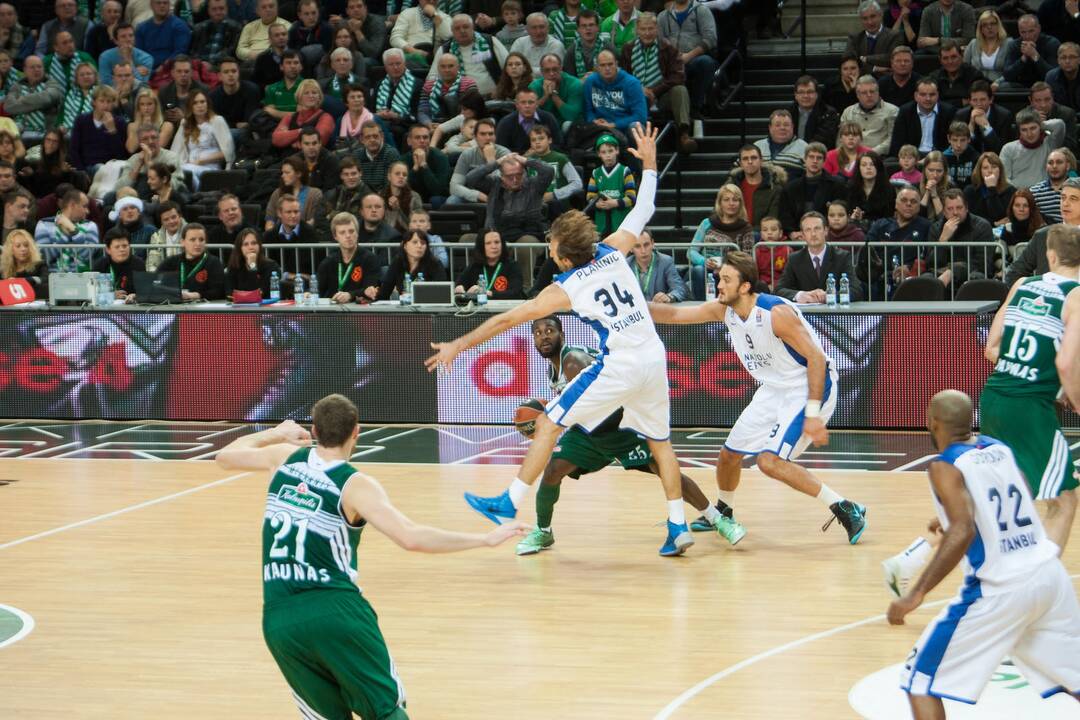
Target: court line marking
[(26, 629), (692, 692), (913, 463), (122, 511)]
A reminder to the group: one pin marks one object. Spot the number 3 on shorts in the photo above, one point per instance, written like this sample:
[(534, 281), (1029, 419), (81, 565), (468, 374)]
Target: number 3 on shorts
[(775, 429)]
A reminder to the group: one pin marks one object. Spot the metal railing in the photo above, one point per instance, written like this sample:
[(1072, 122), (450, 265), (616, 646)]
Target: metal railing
[(738, 88), (798, 24), (881, 266)]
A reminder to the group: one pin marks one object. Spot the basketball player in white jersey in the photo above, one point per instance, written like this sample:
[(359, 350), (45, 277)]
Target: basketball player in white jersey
[(1016, 599), (597, 284), (798, 388)]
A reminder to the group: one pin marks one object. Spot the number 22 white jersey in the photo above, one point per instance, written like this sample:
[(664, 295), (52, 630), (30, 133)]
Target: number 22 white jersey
[(606, 294), (1010, 543)]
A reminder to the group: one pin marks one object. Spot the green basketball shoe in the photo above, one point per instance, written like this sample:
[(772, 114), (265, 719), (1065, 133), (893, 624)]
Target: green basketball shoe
[(536, 541), (729, 528)]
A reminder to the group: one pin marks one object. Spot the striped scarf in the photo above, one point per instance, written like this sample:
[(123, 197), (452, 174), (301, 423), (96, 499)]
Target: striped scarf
[(34, 121), (645, 63), (397, 98), (335, 84), (437, 92), (63, 74), (395, 7), (451, 7), (582, 66), (563, 27), (480, 45), (76, 102)]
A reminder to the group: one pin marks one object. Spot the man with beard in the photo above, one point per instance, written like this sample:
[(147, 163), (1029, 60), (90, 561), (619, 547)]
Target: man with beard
[(580, 453)]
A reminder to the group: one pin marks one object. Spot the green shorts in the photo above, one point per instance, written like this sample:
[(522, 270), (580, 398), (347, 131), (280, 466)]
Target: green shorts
[(595, 452), (1030, 427), (332, 653)]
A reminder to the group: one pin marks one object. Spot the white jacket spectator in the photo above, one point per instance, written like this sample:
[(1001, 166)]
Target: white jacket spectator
[(414, 27), (872, 114)]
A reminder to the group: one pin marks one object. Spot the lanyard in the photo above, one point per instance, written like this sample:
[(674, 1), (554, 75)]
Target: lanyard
[(184, 275), (648, 276), (488, 282), (343, 276), (112, 271)]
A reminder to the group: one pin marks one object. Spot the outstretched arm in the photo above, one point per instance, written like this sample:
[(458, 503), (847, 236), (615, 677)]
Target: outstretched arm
[(997, 327), (949, 487), (668, 314), (626, 236), (263, 450), (364, 498), (551, 300)]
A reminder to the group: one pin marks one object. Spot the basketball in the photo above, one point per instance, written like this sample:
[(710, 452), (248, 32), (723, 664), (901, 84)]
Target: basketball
[(525, 416)]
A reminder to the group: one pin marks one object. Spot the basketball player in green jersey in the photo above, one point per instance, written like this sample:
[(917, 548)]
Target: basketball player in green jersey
[(580, 453), (321, 631), (1017, 402)]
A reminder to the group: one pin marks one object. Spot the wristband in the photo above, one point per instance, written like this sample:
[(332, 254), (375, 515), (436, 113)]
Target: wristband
[(813, 408)]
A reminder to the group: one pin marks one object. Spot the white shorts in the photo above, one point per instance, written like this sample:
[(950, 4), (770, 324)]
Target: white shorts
[(773, 421), (638, 385), (1037, 624)]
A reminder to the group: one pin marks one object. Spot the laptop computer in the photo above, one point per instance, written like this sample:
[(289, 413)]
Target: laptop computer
[(433, 293), (157, 288)]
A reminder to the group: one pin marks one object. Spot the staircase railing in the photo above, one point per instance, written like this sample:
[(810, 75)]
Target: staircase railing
[(721, 77), (800, 25)]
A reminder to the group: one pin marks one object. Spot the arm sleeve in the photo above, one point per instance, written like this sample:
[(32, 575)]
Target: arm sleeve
[(644, 205), (572, 185), (695, 255), (787, 287), (676, 286)]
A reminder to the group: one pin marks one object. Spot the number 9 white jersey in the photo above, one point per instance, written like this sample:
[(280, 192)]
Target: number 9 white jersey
[(606, 294), (1010, 543)]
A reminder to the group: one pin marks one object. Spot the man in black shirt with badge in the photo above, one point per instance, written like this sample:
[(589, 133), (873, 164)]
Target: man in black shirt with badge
[(120, 264), (352, 273), (202, 276)]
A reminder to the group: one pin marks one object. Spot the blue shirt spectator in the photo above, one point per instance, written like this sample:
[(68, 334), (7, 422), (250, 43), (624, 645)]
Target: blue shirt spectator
[(68, 228), (614, 95), (163, 36)]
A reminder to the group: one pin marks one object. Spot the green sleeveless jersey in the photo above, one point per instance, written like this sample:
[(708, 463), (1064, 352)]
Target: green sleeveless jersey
[(307, 543), (1032, 336), (556, 377), (610, 184)]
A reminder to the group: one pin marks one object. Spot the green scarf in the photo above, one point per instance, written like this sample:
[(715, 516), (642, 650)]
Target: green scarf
[(402, 94), (434, 104), (451, 7), (75, 104), (480, 45), (562, 26), (34, 121), (580, 65), (645, 63), (335, 85)]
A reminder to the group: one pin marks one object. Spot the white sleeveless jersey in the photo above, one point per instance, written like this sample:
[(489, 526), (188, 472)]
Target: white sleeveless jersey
[(1010, 543), (606, 295), (766, 357)]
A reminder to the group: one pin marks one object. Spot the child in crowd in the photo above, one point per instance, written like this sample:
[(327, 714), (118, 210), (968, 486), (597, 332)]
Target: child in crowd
[(463, 140), (960, 157), (612, 186), (512, 15), (420, 220), (909, 173), (771, 260)]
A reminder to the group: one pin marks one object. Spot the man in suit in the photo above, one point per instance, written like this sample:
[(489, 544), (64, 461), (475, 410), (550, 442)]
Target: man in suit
[(656, 273), (1031, 56), (990, 125), (808, 270), (1042, 102), (1032, 261), (924, 122), (873, 45), (512, 132)]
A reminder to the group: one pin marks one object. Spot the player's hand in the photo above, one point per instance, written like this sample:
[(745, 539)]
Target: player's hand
[(293, 434), (814, 428), (644, 148), (934, 527), (899, 608), (444, 357), (506, 531)]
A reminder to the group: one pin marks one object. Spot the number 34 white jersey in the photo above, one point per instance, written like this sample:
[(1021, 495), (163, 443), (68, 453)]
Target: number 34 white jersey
[(606, 294), (1010, 543)]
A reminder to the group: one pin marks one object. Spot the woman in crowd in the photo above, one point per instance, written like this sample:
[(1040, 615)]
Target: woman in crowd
[(294, 181), (79, 98), (840, 228), (401, 201), (148, 112), (493, 268), (343, 38), (933, 186), (413, 259), (309, 99), (841, 92), (728, 223), (989, 194), (471, 106), (987, 51), (516, 74), (9, 149), (43, 176), (249, 268), (348, 142), (870, 195), (1024, 218), (203, 141), (903, 17), (159, 178), (20, 258), (840, 161)]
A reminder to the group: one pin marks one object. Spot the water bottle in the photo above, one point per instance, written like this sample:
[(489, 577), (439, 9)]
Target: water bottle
[(481, 292), (830, 291), (275, 287), (105, 290), (298, 290), (710, 286), (313, 291), (405, 296), (845, 291)]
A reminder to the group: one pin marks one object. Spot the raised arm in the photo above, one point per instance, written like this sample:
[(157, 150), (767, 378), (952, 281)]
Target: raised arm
[(997, 327), (263, 450), (551, 300), (787, 327), (626, 236), (365, 498), (668, 314), (949, 488)]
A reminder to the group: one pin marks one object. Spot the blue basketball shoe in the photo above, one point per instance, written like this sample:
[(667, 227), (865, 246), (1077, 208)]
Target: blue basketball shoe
[(493, 508)]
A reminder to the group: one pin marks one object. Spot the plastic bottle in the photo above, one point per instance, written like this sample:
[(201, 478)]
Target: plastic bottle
[(298, 290), (105, 290), (405, 296), (830, 291), (275, 287), (845, 291), (481, 291), (313, 291), (710, 286)]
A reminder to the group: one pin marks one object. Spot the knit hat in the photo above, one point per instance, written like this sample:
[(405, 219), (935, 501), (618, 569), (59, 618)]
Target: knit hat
[(607, 139), (123, 203)]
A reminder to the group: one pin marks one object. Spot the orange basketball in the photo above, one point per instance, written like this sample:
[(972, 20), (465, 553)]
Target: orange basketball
[(526, 414)]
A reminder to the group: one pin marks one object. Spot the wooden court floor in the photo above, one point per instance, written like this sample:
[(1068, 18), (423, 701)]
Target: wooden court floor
[(143, 579)]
